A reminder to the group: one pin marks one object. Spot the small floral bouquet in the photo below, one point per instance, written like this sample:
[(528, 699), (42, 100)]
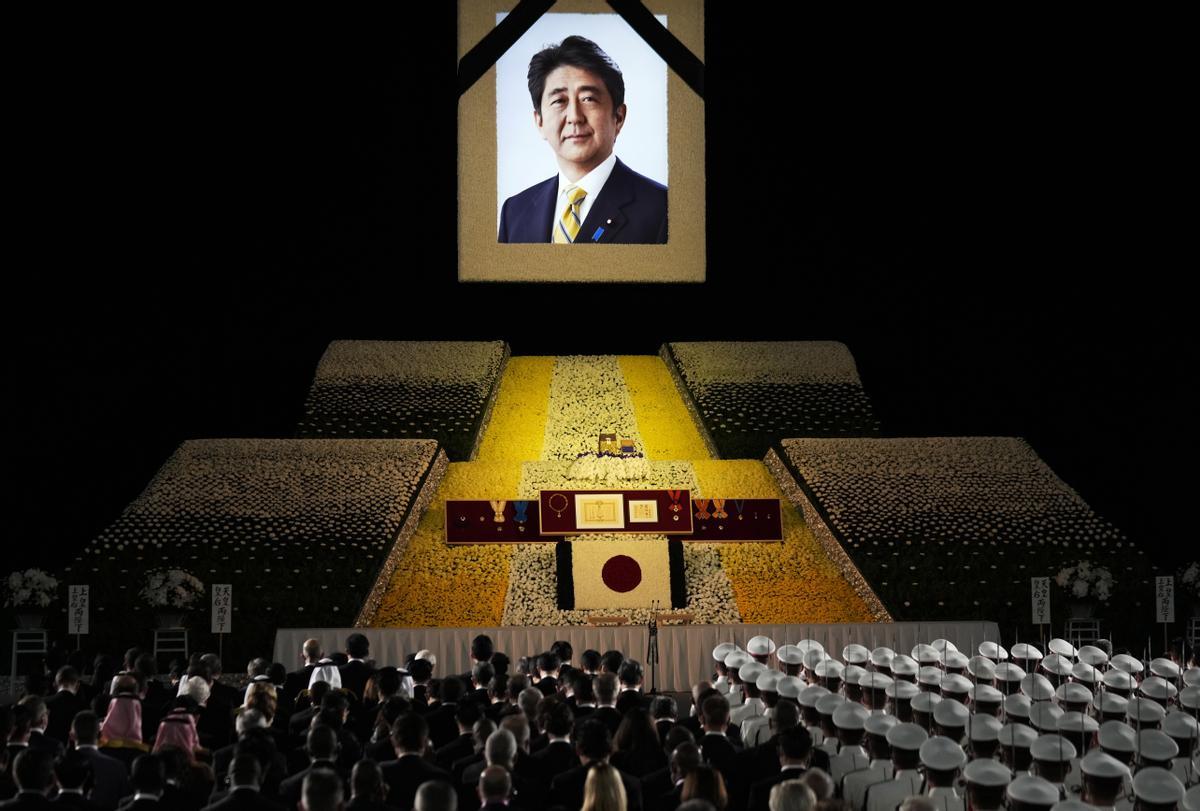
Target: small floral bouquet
[(1085, 581), (32, 588), (609, 467), (1189, 579), (171, 589)]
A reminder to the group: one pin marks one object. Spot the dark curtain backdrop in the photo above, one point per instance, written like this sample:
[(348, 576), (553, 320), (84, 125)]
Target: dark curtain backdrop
[(985, 209)]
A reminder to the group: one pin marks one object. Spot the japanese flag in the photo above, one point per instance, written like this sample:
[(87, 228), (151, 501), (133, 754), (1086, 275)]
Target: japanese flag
[(616, 573)]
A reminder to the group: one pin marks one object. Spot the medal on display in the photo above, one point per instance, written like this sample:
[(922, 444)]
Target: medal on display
[(557, 509), (519, 508), (498, 508), (739, 504), (702, 509)]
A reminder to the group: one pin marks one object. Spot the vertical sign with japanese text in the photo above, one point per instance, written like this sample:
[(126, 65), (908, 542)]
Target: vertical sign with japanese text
[(222, 605), (1164, 598), (78, 600), (1040, 587)]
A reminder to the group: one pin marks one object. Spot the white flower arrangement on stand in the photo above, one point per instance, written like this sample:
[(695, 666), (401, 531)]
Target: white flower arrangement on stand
[(1084, 582), (29, 592), (172, 592)]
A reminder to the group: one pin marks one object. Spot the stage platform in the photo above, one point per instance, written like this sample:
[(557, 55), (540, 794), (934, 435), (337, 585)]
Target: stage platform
[(685, 651)]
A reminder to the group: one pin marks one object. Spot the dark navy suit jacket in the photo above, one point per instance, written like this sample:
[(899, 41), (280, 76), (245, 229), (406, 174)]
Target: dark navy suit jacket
[(630, 210)]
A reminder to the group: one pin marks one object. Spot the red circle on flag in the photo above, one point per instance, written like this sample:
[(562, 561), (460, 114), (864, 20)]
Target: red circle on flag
[(621, 573)]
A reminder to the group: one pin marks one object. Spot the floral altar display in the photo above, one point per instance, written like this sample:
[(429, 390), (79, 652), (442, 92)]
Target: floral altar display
[(30, 592)]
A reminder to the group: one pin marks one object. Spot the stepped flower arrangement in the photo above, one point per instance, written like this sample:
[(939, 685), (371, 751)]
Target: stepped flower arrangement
[(32, 588)]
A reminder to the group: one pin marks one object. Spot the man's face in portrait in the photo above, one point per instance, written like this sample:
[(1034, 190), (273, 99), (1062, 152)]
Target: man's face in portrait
[(577, 119)]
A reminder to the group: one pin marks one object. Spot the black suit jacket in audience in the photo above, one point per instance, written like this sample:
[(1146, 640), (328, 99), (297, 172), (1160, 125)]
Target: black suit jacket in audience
[(76, 802), (457, 749), (654, 786), (241, 799), (363, 804), (62, 707), (609, 717), (567, 789), (110, 778), (28, 800), (290, 789), (442, 727), (354, 676), (297, 681), (720, 753), (760, 792), (404, 775), (555, 758)]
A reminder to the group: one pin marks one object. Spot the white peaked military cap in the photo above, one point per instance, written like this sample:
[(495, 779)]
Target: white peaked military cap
[(1126, 663), (931, 676), (882, 657), (925, 702), (1181, 726), (1164, 668), (736, 659), (1072, 805), (760, 646), (985, 694), (1044, 715), (830, 669), (954, 683), (1052, 749), (872, 680), (790, 655), (723, 650), (1073, 692), (902, 690), (856, 654), (1117, 736), (1083, 672), (926, 654), (1190, 697), (1091, 655), (1007, 671), (1023, 650), (805, 645), (1026, 788), (792, 687), (993, 651), (907, 736), (1062, 647), (982, 668), (750, 672), (950, 713), (904, 665), (1037, 687), (1158, 688), (1145, 711), (1017, 735), (955, 660), (1077, 722), (987, 772), (850, 715), (1109, 703), (1057, 664), (814, 657), (984, 728), (850, 673), (943, 754), (768, 681), (942, 645), (1017, 706), (880, 724), (1191, 677), (1191, 800), (1156, 745), (809, 696), (1118, 680), (828, 704), (1098, 764), (1157, 786)]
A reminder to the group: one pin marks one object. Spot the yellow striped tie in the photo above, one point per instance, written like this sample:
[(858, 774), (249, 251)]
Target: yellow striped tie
[(570, 221)]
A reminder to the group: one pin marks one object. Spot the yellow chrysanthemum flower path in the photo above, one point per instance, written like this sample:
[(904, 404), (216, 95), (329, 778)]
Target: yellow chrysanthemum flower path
[(518, 422), (667, 427), (777, 583), (467, 584)]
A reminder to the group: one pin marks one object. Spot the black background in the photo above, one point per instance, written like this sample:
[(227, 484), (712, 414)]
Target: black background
[(984, 209)]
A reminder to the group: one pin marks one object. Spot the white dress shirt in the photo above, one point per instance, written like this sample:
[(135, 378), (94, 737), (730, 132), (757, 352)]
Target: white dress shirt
[(591, 183)]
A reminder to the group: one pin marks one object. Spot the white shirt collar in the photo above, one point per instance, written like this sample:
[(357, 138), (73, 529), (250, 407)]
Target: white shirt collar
[(593, 182)]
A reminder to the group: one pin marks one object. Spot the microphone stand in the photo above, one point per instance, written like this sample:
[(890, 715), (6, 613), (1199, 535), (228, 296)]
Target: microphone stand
[(652, 648)]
